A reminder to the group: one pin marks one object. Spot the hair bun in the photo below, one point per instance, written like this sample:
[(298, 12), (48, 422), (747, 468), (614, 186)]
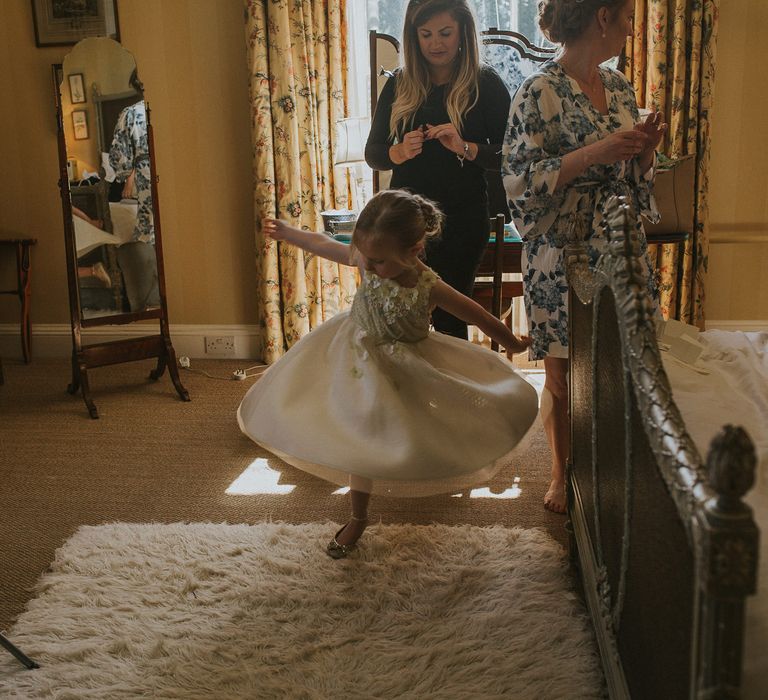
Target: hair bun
[(433, 217)]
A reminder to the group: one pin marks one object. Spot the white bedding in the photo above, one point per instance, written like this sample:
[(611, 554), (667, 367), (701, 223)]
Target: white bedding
[(735, 391)]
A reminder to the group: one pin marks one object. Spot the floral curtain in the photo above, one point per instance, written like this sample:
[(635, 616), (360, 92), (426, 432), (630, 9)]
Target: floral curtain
[(297, 62), (671, 62)]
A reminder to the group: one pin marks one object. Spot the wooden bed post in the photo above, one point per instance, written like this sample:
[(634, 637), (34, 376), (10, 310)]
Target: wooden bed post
[(727, 544), (666, 547)]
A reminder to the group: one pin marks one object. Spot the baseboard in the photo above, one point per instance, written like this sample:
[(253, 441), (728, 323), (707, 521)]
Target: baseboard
[(55, 339), (759, 326)]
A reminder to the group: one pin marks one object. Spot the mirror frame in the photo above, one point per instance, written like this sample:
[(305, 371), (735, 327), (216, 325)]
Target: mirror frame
[(86, 356)]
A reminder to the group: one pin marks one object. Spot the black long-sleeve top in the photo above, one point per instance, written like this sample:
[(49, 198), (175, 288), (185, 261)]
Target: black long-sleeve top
[(436, 173)]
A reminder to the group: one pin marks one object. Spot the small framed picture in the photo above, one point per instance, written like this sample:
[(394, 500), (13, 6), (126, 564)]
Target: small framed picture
[(80, 124), (76, 88), (65, 22)]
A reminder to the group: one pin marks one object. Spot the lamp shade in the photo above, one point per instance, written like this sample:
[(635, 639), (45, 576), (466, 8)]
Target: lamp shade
[(351, 135)]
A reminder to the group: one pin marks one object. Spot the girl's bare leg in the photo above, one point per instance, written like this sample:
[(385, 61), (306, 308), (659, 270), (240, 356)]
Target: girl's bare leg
[(357, 523), (554, 414), (359, 495)]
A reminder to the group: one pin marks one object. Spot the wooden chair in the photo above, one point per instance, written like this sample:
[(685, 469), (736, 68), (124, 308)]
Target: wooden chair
[(491, 291)]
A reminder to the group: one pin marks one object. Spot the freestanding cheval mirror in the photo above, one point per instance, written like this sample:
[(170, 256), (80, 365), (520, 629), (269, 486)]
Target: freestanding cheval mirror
[(111, 211)]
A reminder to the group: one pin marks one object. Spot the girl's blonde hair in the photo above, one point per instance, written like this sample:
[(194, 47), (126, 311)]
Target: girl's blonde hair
[(413, 82), (399, 216)]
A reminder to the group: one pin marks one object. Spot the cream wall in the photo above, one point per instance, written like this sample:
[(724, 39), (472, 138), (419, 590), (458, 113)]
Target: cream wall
[(737, 288), (191, 58)]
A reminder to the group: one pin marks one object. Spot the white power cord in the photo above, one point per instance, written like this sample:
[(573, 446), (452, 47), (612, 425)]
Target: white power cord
[(238, 374), (241, 374)]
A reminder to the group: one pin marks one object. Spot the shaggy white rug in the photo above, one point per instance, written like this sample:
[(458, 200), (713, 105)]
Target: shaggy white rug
[(220, 611)]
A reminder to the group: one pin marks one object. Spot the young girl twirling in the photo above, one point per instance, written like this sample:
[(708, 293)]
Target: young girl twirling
[(372, 398)]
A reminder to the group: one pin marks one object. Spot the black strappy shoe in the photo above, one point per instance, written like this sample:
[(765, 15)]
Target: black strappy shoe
[(340, 551)]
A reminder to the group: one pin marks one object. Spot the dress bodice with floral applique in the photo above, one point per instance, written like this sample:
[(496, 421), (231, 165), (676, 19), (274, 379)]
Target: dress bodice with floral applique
[(388, 312)]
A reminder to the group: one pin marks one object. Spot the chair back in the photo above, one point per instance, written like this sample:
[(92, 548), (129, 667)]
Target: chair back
[(491, 291)]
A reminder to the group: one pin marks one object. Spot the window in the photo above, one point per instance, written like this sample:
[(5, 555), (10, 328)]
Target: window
[(386, 16)]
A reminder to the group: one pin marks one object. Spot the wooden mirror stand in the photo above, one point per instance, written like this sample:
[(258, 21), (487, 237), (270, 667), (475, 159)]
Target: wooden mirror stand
[(87, 356)]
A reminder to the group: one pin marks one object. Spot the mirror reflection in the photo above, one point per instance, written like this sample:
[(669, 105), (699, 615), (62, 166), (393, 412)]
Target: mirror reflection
[(105, 128)]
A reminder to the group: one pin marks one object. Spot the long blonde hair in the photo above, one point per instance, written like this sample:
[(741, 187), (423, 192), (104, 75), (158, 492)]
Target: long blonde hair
[(400, 217), (413, 82)]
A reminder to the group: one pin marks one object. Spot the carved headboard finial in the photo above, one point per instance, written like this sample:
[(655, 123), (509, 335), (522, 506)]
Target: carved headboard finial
[(731, 463)]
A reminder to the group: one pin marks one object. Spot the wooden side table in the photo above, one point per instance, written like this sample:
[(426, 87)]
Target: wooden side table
[(23, 289)]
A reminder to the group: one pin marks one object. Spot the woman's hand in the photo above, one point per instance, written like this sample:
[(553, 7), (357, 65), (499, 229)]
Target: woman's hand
[(128, 187), (408, 148), (654, 130), (447, 135), (620, 145)]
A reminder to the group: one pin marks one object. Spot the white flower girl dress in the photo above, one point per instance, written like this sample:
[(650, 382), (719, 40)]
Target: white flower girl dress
[(373, 393)]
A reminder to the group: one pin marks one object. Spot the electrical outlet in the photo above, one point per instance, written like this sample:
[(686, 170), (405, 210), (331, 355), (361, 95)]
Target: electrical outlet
[(219, 345)]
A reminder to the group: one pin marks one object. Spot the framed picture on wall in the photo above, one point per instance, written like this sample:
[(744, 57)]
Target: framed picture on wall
[(80, 124), (76, 88), (65, 22)]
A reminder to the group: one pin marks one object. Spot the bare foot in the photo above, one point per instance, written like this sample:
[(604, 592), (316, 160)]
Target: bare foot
[(351, 532), (100, 273), (555, 498)]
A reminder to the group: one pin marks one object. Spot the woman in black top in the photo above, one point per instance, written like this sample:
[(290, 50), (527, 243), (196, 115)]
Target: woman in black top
[(439, 125)]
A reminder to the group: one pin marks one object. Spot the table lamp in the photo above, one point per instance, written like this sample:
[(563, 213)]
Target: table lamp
[(351, 135)]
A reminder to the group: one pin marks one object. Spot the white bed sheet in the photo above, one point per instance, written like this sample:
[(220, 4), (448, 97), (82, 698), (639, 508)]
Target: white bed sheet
[(734, 391)]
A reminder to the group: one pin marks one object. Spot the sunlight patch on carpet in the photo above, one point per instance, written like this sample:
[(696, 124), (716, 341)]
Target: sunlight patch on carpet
[(243, 611), (259, 478)]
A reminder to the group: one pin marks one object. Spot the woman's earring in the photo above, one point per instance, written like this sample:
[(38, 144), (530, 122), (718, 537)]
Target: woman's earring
[(603, 35)]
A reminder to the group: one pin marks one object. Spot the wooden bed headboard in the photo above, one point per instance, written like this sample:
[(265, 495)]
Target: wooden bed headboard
[(666, 547)]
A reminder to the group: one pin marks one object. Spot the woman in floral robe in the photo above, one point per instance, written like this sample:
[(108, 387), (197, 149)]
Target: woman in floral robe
[(573, 139), (129, 158)]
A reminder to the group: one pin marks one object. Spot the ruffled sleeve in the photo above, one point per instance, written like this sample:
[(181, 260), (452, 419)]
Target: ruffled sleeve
[(643, 187), (643, 182), (121, 152), (529, 170)]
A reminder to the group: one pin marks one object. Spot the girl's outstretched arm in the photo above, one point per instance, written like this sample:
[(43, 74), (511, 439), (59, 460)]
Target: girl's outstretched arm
[(469, 311), (311, 241)]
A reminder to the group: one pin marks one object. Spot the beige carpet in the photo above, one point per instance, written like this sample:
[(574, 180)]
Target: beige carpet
[(153, 458), (200, 611)]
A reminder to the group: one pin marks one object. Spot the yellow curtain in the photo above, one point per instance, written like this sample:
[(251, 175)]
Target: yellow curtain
[(671, 62), (296, 53)]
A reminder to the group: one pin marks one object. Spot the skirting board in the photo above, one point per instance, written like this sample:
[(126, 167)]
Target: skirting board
[(55, 339)]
